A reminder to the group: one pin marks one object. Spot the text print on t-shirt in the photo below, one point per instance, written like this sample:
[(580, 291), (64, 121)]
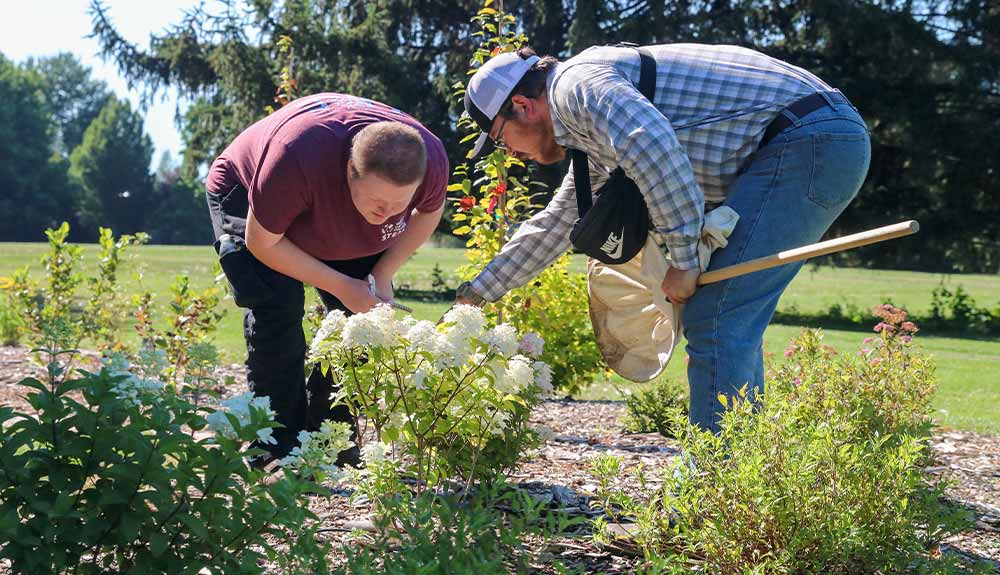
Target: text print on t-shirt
[(392, 230)]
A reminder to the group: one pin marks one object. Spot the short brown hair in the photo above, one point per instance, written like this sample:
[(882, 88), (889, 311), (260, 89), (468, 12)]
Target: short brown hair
[(392, 150)]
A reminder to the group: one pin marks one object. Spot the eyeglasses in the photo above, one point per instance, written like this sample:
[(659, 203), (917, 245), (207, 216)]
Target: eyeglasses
[(504, 111), (498, 140)]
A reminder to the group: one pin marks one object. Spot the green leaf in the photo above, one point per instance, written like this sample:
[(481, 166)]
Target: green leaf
[(34, 384), (195, 525), (111, 497), (129, 527), (158, 543)]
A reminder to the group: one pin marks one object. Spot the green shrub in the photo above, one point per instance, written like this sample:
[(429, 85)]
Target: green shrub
[(488, 533), (103, 312), (649, 410), (120, 483), (958, 311), (193, 317), (951, 312), (10, 323), (824, 474), (55, 300), (555, 304)]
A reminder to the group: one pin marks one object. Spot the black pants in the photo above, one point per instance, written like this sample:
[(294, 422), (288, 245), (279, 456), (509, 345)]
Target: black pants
[(272, 327)]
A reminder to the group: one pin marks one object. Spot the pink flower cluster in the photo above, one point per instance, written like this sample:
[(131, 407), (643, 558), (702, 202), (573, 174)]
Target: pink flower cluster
[(894, 322)]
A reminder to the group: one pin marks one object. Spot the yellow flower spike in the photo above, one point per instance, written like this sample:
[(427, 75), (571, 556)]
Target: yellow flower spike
[(6, 283)]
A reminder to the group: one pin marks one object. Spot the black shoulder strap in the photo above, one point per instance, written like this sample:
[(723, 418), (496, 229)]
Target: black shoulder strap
[(581, 164), (581, 177), (647, 73)]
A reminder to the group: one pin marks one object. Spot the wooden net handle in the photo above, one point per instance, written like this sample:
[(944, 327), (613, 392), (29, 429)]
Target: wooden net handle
[(819, 249)]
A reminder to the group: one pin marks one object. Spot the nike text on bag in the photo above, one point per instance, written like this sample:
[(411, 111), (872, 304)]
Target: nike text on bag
[(613, 228)]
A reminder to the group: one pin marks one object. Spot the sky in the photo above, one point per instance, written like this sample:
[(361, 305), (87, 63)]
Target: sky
[(39, 28)]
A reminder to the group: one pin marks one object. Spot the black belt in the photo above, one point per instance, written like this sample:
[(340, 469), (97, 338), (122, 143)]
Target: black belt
[(799, 109)]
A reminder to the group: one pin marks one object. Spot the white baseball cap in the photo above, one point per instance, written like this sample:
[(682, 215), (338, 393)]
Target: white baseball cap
[(490, 87)]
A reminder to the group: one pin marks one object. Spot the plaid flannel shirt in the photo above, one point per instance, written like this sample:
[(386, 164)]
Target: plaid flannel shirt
[(683, 149)]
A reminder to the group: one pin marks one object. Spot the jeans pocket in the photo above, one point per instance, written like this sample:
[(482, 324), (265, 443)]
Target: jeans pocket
[(241, 269), (840, 164)]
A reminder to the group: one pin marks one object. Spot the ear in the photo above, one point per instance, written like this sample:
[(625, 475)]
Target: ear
[(352, 172), (527, 106)]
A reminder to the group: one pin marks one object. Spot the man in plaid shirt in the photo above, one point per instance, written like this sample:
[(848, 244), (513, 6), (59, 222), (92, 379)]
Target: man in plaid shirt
[(727, 125)]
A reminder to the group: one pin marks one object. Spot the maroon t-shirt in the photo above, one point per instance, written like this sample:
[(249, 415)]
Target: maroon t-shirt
[(301, 187)]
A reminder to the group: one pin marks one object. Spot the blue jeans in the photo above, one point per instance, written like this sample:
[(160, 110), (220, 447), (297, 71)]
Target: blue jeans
[(787, 195)]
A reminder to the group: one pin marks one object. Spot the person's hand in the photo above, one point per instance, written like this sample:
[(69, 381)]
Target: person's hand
[(357, 296), (466, 295), (679, 285)]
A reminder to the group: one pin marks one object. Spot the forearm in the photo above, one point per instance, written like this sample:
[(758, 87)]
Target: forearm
[(289, 259), (538, 242), (281, 254), (419, 229)]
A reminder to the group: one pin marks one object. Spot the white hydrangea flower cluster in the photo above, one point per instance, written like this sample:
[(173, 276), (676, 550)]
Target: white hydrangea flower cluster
[(517, 375), (377, 328), (318, 450), (327, 337), (461, 325), (419, 378), (543, 378), (502, 339), (131, 388), (432, 356), (532, 345), (466, 321), (239, 407), (374, 453), (422, 335), (499, 421)]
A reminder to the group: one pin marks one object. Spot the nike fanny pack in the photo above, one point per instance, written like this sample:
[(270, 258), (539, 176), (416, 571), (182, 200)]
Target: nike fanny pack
[(613, 228)]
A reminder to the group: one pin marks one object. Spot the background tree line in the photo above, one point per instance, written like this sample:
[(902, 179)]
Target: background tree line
[(925, 74), (71, 151)]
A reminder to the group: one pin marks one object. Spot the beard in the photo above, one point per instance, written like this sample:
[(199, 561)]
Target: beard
[(551, 154)]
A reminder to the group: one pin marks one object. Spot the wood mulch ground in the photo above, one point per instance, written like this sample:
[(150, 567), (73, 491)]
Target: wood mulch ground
[(558, 471)]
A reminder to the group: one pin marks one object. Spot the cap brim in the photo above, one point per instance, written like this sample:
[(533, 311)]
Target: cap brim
[(483, 145)]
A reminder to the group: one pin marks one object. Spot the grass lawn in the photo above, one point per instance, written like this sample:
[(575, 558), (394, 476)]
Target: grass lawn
[(968, 374), (968, 369)]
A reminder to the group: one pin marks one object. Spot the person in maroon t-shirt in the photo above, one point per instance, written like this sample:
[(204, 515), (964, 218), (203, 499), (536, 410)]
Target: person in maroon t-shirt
[(325, 191)]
